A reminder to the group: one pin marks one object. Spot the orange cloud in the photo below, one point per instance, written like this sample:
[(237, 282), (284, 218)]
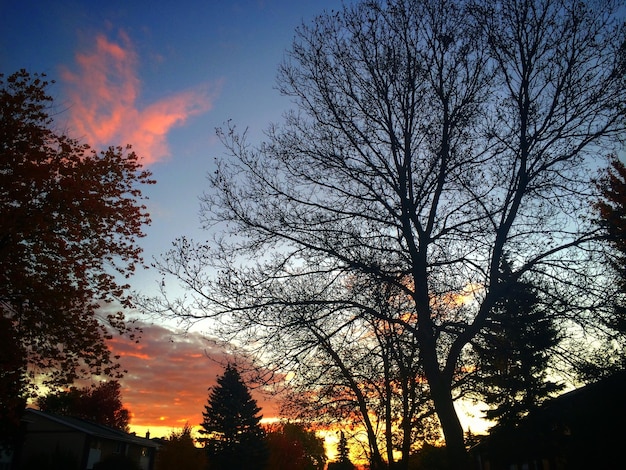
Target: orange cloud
[(168, 378), (104, 109)]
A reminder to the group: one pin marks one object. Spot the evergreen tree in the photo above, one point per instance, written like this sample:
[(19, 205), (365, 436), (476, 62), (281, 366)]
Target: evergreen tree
[(514, 352), (342, 448), (343, 455), (234, 437)]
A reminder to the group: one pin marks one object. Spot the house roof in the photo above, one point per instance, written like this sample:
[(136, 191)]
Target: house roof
[(585, 413), (606, 391), (91, 428)]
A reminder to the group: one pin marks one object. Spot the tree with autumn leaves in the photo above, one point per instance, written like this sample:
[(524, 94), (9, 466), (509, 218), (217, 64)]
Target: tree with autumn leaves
[(610, 211), (179, 451), (294, 447), (70, 218)]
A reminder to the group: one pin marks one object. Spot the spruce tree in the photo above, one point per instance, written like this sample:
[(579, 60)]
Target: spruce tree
[(234, 437), (343, 455), (514, 352), (342, 448)]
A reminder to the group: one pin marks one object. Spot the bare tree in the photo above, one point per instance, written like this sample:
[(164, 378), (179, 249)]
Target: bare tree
[(349, 357), (354, 364), (431, 138)]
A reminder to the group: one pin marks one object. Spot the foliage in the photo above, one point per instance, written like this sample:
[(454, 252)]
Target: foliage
[(68, 214), (179, 451), (472, 439), (609, 356), (429, 457), (234, 437), (101, 403), (346, 465), (292, 447), (69, 221), (341, 465), (12, 385), (612, 212), (432, 138), (343, 451)]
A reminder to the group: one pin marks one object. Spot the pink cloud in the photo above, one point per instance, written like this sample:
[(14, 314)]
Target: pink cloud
[(104, 107), (169, 375)]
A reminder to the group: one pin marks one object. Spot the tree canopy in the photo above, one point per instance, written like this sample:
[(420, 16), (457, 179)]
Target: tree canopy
[(101, 403), (611, 217), (179, 451), (292, 446), (70, 218), (432, 139)]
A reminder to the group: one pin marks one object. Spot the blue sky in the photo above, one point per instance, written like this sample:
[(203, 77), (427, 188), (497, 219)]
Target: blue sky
[(160, 76), (199, 62)]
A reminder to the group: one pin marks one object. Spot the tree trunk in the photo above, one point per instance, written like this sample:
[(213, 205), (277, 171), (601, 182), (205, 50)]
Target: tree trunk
[(450, 424)]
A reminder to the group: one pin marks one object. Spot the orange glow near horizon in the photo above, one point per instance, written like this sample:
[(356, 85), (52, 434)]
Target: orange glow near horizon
[(104, 107), (168, 378)]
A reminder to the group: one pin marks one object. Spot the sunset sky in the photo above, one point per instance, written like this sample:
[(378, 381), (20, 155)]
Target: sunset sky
[(160, 75)]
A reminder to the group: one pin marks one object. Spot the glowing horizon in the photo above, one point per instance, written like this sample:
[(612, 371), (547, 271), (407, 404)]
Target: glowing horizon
[(169, 374)]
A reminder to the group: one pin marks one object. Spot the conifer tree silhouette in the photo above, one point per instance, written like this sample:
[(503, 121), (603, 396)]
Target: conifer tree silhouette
[(234, 437)]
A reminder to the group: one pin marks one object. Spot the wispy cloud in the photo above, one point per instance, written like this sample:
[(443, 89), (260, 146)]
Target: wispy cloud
[(104, 105), (169, 375)]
